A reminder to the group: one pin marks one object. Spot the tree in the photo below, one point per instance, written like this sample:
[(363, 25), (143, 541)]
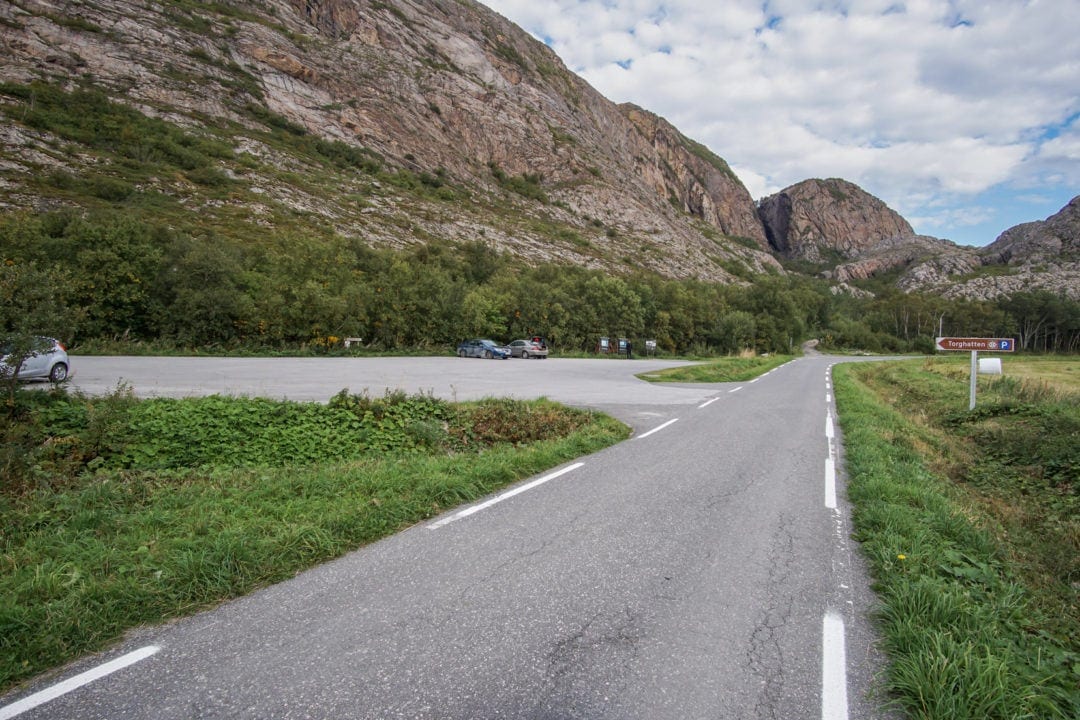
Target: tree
[(735, 331), (32, 305), (482, 313)]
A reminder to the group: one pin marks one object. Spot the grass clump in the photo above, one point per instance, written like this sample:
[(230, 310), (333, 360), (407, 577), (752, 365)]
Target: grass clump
[(731, 369), (972, 539), (119, 512)]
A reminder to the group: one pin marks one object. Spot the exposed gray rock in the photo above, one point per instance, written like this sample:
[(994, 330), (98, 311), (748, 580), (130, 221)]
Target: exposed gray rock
[(1054, 239), (819, 220), (426, 84)]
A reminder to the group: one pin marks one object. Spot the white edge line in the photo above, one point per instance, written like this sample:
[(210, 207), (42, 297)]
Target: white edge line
[(736, 389), (834, 704), (499, 498), (830, 432), (658, 429), (830, 483), (40, 698), (707, 403)]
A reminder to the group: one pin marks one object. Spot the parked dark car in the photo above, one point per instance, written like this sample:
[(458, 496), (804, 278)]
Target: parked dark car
[(483, 348), (49, 361), (534, 348)]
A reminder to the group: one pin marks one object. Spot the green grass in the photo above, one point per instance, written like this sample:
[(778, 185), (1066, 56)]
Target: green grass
[(106, 530), (1061, 372), (731, 369), (969, 521)]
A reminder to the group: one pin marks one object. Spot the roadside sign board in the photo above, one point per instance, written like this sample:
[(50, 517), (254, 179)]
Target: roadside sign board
[(976, 344)]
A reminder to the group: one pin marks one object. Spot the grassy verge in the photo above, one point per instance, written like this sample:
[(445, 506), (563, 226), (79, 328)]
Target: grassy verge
[(731, 369), (970, 524), (118, 512)]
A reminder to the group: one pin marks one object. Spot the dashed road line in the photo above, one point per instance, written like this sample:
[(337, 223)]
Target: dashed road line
[(504, 496), (40, 698), (834, 703), (830, 483), (707, 403), (657, 429)]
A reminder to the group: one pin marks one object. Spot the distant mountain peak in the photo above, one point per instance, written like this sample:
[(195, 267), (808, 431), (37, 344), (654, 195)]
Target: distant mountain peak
[(818, 220)]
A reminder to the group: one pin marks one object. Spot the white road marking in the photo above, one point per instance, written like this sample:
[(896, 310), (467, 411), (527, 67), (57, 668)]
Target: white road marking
[(707, 403), (658, 428), (40, 698), (834, 704), (499, 498), (830, 483), (830, 432), (735, 389), (828, 397)]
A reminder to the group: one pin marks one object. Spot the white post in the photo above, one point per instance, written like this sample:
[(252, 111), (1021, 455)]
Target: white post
[(974, 371)]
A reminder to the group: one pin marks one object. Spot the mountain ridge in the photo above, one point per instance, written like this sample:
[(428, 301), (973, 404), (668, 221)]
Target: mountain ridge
[(483, 133), (444, 86)]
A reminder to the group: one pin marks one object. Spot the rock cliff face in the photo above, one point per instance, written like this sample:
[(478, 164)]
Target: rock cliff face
[(926, 259), (691, 176), (819, 220), (1055, 239), (427, 85), (1042, 255), (541, 165)]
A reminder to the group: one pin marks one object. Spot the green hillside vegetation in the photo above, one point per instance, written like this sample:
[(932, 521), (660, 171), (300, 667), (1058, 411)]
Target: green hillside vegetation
[(228, 238)]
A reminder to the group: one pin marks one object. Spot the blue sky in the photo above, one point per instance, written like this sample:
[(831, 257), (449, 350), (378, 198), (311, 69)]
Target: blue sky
[(962, 115)]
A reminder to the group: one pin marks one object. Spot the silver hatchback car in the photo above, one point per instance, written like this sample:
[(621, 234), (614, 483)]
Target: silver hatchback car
[(49, 361)]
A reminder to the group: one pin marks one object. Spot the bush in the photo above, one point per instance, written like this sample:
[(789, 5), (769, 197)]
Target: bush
[(516, 422)]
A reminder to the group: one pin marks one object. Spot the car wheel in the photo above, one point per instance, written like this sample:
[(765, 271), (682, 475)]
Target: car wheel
[(58, 373), (487, 354), (461, 353), (524, 354)]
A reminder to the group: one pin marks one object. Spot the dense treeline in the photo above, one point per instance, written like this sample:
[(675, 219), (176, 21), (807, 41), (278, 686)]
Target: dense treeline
[(130, 279)]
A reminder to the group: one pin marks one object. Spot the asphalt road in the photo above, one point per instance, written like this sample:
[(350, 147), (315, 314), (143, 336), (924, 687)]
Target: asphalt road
[(701, 569), (608, 384)]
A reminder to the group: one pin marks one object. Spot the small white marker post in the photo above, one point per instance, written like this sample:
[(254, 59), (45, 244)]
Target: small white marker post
[(974, 372)]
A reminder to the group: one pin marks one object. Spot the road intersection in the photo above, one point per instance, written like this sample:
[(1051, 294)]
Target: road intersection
[(702, 568)]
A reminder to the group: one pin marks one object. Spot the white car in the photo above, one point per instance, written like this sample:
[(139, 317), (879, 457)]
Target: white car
[(535, 348), (49, 361)]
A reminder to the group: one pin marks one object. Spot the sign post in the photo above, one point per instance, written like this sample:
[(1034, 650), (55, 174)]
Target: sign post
[(975, 345)]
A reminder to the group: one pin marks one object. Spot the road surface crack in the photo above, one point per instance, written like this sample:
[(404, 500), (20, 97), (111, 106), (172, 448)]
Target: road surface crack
[(765, 655)]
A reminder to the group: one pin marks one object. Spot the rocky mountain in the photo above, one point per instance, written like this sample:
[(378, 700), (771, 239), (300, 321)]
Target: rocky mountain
[(854, 236), (1041, 255), (1052, 240), (405, 122), (821, 220), (538, 163), (920, 256)]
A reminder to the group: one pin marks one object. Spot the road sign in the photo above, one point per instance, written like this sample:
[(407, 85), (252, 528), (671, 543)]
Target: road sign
[(976, 344)]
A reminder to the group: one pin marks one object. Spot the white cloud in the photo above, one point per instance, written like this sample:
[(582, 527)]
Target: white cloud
[(912, 99)]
